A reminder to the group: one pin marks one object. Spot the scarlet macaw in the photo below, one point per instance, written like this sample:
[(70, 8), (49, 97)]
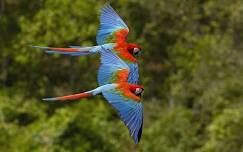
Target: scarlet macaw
[(123, 96), (112, 36)]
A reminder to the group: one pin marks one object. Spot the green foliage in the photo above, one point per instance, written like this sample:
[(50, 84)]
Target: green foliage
[(191, 67), (225, 132), (172, 131)]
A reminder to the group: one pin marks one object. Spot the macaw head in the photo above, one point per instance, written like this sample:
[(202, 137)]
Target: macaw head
[(137, 89), (134, 49)]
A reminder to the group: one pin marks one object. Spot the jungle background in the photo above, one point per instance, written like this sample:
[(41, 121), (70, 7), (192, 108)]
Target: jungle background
[(191, 67)]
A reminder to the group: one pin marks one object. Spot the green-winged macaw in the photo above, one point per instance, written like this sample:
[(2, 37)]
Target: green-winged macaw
[(122, 95), (111, 36)]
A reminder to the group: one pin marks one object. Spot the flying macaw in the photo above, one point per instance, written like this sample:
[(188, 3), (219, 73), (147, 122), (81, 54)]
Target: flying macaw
[(112, 36), (123, 96)]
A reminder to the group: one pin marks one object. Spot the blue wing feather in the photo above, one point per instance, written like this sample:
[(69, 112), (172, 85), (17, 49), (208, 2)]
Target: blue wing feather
[(108, 57), (131, 112), (106, 72), (109, 16), (110, 64), (134, 73), (110, 22)]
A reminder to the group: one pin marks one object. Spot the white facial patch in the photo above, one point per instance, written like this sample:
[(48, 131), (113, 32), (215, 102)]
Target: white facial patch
[(136, 50), (138, 91)]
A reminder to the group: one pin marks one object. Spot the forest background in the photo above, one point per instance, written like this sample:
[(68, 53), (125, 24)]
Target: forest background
[(191, 67)]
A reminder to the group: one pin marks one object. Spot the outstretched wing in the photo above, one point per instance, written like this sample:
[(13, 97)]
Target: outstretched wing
[(133, 74), (112, 27), (115, 70), (130, 111), (112, 68)]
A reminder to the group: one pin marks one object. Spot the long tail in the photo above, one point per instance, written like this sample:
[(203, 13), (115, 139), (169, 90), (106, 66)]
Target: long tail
[(70, 97), (73, 50), (84, 94)]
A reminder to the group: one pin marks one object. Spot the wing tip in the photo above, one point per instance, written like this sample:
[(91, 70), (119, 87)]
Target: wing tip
[(137, 136), (107, 4), (140, 133)]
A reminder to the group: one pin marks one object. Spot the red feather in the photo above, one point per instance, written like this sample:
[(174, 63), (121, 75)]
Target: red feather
[(122, 47), (75, 96)]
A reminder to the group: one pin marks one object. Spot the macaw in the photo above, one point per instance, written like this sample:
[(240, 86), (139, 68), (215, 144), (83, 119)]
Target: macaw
[(122, 95), (112, 36)]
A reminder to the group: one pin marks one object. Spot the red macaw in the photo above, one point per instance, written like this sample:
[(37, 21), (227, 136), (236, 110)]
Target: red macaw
[(123, 96), (111, 36)]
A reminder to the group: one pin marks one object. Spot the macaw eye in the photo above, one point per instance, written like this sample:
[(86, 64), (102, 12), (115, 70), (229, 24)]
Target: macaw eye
[(136, 51), (138, 91)]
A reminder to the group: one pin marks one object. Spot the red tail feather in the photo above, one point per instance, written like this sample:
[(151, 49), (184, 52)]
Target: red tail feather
[(64, 49), (75, 96)]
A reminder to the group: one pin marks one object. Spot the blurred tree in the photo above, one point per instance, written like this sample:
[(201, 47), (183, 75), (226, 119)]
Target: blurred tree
[(225, 132), (191, 67)]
